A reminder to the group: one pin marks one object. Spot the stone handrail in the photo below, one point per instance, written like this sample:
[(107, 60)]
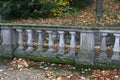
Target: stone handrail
[(81, 44)]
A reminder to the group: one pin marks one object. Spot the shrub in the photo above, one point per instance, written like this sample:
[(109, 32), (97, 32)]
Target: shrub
[(18, 8), (12, 9), (62, 9), (46, 8), (80, 4)]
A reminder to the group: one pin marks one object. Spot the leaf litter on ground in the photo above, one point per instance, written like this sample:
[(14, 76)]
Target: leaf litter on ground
[(53, 71)]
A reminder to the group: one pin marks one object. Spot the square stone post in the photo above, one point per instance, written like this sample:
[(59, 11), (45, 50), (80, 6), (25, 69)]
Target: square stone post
[(87, 42), (6, 45)]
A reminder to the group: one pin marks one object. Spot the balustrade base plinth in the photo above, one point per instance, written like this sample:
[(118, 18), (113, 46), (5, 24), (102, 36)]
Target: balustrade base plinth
[(103, 58), (72, 51), (85, 57), (20, 52), (60, 53), (20, 48), (116, 56), (6, 49), (50, 50), (38, 52), (29, 50), (70, 56), (48, 55)]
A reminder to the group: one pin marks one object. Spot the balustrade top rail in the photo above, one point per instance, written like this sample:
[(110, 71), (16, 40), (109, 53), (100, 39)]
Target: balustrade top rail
[(57, 27)]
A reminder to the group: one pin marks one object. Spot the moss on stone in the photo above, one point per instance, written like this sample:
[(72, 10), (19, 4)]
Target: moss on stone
[(7, 57), (61, 61)]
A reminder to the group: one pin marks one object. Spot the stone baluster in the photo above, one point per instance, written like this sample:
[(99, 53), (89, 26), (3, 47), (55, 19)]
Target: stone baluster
[(40, 39), (116, 48), (20, 40), (50, 43), (72, 42), (29, 41), (61, 43), (103, 58), (103, 43), (39, 51)]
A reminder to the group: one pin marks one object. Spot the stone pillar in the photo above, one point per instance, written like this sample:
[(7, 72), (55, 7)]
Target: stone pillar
[(6, 46), (72, 43), (87, 41), (40, 39), (86, 54), (116, 48), (50, 43), (61, 43), (20, 40), (29, 41)]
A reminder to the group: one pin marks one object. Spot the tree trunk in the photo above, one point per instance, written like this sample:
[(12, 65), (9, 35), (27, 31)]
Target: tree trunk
[(0, 18), (99, 6)]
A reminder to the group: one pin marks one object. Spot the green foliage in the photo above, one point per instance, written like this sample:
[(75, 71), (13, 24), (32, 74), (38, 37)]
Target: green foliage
[(80, 4), (62, 9), (12, 9), (46, 8), (18, 8)]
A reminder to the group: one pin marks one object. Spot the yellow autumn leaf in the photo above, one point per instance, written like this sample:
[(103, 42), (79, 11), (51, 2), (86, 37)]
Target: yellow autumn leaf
[(59, 78)]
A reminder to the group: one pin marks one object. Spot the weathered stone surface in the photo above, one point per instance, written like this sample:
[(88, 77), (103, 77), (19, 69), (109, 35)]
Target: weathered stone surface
[(6, 49), (38, 52), (6, 46), (85, 57), (116, 56), (103, 58), (87, 41), (70, 56), (19, 52)]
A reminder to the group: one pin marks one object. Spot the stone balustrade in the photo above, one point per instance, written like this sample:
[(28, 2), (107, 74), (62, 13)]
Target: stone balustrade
[(67, 42)]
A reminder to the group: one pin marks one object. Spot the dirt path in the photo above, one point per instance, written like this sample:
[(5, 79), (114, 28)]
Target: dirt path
[(51, 71), (23, 74), (41, 72)]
